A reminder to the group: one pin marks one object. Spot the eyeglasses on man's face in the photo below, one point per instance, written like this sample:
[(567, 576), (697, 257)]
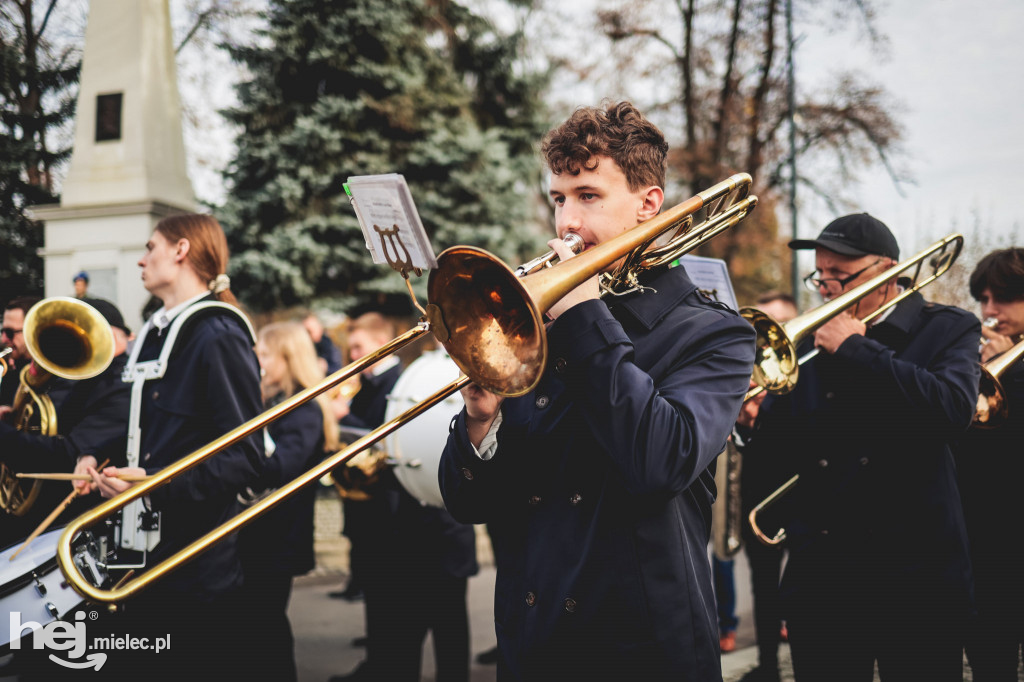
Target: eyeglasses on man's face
[(10, 333), (815, 283)]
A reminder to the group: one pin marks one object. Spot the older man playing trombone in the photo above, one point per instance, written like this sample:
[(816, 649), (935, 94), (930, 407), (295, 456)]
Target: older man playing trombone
[(878, 567)]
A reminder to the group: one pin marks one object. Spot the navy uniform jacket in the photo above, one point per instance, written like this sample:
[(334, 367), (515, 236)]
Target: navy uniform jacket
[(92, 419), (210, 387), (601, 488), (282, 539), (990, 469), (876, 515)]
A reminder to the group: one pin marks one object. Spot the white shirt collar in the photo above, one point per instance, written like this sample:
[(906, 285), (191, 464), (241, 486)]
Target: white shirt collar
[(163, 317)]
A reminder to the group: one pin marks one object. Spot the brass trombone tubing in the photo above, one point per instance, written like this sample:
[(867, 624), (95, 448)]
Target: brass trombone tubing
[(95, 515), (453, 323), (992, 408), (765, 503), (795, 330)]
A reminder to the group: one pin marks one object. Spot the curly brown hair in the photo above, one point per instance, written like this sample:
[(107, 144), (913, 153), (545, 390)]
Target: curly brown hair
[(618, 131)]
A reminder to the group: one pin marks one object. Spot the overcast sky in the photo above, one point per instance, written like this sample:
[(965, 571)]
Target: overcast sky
[(957, 68)]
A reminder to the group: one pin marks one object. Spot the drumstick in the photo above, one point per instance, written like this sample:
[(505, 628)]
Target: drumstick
[(54, 514), (133, 478)]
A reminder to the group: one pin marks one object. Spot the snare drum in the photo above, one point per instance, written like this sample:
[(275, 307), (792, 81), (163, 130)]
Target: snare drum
[(34, 586), (416, 447)]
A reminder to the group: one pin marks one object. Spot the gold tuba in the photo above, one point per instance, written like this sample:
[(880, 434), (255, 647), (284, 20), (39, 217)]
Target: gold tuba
[(66, 338)]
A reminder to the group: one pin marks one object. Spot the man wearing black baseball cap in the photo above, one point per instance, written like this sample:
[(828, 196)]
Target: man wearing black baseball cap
[(878, 568)]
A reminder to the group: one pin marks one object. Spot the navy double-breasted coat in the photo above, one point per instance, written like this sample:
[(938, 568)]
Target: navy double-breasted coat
[(600, 490)]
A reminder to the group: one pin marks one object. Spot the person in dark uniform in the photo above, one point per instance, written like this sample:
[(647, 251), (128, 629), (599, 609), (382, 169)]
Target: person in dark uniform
[(412, 560), (92, 419), (599, 482), (990, 470), (878, 567), (364, 411), (327, 352), (203, 383), (762, 472), (279, 545), (12, 336)]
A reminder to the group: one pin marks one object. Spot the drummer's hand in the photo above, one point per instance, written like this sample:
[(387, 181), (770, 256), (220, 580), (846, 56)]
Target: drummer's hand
[(586, 291), (482, 407), (85, 464), (107, 482)]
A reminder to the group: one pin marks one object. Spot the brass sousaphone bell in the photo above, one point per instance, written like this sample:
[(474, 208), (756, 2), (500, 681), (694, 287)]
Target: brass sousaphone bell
[(66, 338)]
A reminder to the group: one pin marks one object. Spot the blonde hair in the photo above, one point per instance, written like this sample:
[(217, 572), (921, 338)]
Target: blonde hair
[(291, 341)]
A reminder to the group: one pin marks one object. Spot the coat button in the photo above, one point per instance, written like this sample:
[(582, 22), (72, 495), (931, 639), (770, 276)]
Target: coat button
[(823, 463), (830, 395), (560, 365), (534, 500), (531, 599), (570, 605), (156, 394), (864, 461), (145, 457), (467, 474), (542, 402), (575, 499)]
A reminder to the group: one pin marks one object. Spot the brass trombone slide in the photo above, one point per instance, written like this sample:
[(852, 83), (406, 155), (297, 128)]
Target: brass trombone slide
[(993, 409), (488, 319), (940, 262), (776, 368)]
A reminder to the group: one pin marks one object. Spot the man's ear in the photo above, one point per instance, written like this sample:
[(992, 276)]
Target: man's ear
[(652, 199), (181, 251)]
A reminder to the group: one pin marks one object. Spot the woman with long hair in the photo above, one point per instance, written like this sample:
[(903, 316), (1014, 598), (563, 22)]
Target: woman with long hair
[(199, 379), (279, 545)]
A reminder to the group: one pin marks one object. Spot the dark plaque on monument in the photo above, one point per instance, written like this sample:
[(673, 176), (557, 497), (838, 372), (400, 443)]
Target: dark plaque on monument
[(108, 117)]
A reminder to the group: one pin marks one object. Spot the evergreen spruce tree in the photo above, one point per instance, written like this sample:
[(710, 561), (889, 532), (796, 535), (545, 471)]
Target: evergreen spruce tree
[(37, 97), (355, 87)]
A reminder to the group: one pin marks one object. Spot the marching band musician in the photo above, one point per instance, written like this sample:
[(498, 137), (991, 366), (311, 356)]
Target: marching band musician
[(194, 377), (92, 416), (13, 336), (878, 568), (413, 560), (990, 471), (597, 482), (763, 471), (279, 545)]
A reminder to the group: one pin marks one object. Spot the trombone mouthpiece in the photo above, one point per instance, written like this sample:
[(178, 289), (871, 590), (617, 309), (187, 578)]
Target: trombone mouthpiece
[(990, 322)]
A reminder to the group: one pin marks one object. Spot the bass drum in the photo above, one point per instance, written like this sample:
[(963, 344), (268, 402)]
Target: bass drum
[(416, 447)]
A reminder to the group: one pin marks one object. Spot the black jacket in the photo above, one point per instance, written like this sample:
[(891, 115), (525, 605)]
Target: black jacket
[(869, 431), (600, 490), (210, 387), (282, 539)]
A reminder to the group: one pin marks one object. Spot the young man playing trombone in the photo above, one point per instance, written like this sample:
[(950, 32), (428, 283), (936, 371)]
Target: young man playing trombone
[(878, 567), (597, 482), (990, 471)]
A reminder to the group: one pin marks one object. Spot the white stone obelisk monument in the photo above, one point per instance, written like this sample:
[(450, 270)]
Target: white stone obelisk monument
[(127, 167)]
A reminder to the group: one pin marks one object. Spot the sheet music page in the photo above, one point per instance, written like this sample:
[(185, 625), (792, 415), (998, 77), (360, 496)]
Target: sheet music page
[(712, 277), (391, 225)]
